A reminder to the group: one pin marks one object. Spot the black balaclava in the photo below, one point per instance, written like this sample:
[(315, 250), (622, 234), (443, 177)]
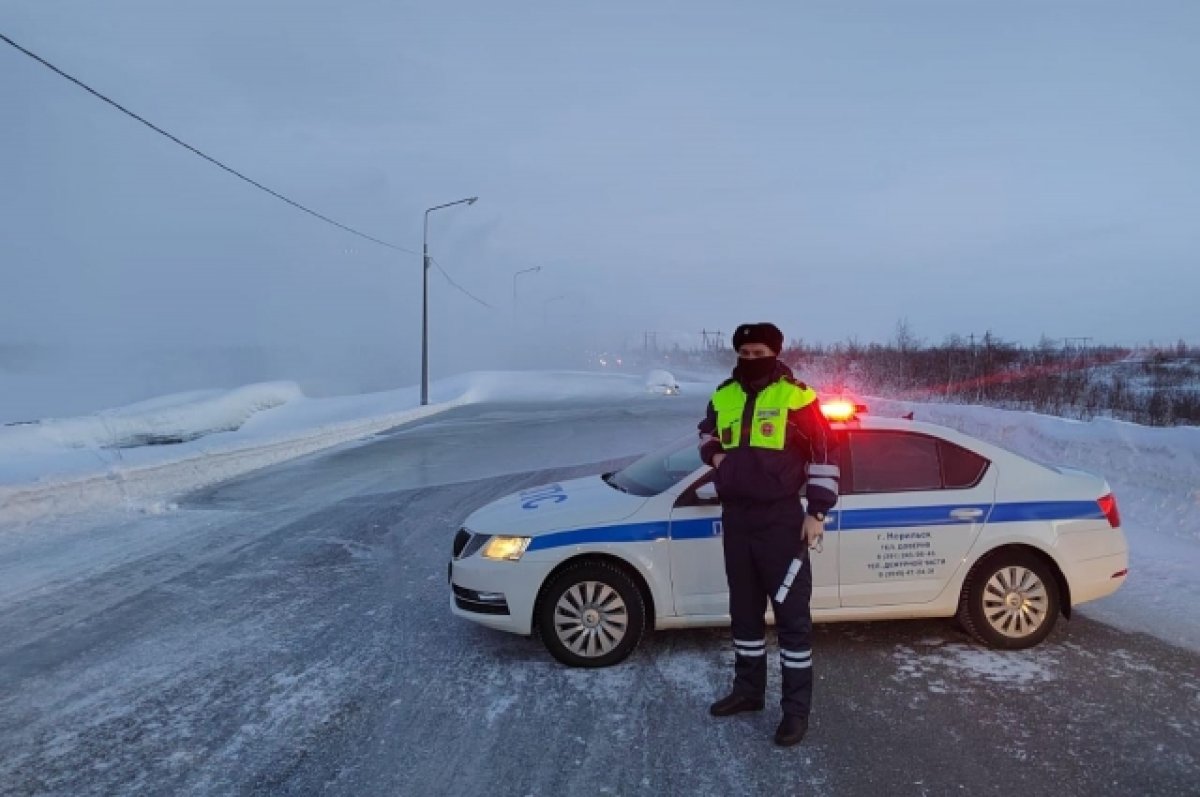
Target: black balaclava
[(749, 372)]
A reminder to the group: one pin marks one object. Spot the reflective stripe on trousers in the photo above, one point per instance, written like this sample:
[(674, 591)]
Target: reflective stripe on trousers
[(753, 648)]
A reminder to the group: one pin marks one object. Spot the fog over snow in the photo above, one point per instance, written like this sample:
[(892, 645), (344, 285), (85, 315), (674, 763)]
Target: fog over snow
[(1027, 168), (80, 467)]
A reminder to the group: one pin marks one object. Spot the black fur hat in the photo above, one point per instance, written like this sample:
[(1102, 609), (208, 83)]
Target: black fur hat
[(763, 332)]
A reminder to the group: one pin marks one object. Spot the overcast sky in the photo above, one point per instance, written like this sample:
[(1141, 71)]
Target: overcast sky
[(1024, 167)]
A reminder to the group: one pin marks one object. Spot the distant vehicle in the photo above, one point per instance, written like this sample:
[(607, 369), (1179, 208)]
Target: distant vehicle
[(662, 382), (609, 361), (931, 523)]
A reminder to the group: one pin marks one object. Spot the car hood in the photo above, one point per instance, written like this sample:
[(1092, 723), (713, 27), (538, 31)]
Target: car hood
[(554, 507)]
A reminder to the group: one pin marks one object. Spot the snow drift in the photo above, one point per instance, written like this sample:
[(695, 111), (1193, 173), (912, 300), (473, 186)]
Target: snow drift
[(140, 453)]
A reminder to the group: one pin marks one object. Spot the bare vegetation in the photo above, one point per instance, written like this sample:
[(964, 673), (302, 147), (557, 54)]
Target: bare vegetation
[(1152, 385)]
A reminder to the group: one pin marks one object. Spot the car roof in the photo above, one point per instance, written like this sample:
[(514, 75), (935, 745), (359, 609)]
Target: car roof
[(882, 423), (867, 421)]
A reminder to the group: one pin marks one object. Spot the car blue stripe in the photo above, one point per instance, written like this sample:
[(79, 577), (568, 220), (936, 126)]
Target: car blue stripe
[(699, 529), (902, 517), (906, 517), (630, 532), (1047, 510), (850, 520)]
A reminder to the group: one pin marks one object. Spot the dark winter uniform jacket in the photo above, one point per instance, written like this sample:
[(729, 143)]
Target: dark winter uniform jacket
[(754, 475)]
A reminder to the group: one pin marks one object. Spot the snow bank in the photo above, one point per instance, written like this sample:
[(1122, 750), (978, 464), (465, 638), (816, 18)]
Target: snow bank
[(135, 455), (169, 419)]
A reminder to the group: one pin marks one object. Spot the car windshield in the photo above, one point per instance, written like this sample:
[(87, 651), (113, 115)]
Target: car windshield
[(659, 470)]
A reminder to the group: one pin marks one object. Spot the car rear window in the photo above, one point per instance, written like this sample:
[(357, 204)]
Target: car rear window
[(960, 467), (886, 462)]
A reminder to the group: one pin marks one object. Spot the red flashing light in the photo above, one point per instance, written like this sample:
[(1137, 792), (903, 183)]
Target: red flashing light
[(1108, 505), (841, 409), (1121, 573)]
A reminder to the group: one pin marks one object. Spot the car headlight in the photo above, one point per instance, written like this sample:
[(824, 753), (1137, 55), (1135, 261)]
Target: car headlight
[(509, 548), (474, 543)]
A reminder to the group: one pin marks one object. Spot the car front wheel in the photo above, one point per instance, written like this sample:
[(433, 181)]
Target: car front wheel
[(592, 614), (1010, 601)]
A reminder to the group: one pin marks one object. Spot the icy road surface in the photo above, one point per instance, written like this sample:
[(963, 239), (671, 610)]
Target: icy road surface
[(289, 633)]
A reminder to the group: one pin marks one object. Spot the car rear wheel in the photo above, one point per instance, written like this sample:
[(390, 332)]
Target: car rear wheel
[(1010, 600), (592, 614)]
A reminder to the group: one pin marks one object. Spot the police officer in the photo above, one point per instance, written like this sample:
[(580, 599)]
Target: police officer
[(767, 440)]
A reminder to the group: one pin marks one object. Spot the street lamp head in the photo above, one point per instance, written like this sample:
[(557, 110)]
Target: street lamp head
[(472, 200)]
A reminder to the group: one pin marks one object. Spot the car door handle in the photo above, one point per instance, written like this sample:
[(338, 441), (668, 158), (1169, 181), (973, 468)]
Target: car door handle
[(966, 513)]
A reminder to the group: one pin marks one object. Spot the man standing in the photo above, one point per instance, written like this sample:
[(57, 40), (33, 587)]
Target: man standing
[(766, 438)]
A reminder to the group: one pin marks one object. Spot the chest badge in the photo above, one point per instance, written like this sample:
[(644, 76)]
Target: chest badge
[(768, 429)]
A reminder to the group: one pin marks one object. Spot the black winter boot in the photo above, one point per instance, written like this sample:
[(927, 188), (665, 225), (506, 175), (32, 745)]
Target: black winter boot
[(735, 704), (791, 730)]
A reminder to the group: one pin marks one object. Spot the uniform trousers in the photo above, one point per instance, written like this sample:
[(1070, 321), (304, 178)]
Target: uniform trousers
[(761, 540)]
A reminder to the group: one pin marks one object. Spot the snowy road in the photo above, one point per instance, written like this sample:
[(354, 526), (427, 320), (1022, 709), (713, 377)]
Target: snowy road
[(289, 632)]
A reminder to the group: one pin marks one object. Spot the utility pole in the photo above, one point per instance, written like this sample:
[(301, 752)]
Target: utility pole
[(712, 340), (1078, 346), (1083, 342)]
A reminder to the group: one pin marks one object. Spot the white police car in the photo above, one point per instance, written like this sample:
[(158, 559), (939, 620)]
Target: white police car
[(930, 523)]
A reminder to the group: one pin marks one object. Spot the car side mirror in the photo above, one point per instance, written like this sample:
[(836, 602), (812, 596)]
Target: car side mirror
[(707, 492)]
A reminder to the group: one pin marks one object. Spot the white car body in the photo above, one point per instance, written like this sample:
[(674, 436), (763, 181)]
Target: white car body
[(662, 383), (886, 555)]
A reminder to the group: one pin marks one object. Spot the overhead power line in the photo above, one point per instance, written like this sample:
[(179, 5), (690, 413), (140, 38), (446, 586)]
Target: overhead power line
[(208, 158), (450, 280)]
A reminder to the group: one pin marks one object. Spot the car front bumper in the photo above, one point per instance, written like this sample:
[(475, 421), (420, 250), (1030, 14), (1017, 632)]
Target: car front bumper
[(499, 595)]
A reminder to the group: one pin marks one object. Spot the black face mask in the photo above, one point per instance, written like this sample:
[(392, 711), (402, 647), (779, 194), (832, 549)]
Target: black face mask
[(756, 370)]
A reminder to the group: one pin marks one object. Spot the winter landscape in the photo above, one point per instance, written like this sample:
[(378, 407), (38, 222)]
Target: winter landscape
[(290, 291)]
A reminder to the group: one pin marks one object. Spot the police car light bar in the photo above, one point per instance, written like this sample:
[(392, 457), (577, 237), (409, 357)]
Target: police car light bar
[(841, 409)]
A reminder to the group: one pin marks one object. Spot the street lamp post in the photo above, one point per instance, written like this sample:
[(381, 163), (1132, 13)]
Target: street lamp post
[(425, 297), (546, 306), (517, 274)]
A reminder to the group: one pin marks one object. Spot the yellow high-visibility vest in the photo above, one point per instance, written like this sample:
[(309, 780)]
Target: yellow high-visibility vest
[(771, 408)]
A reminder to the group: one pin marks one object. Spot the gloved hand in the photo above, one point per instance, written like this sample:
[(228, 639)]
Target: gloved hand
[(814, 531)]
